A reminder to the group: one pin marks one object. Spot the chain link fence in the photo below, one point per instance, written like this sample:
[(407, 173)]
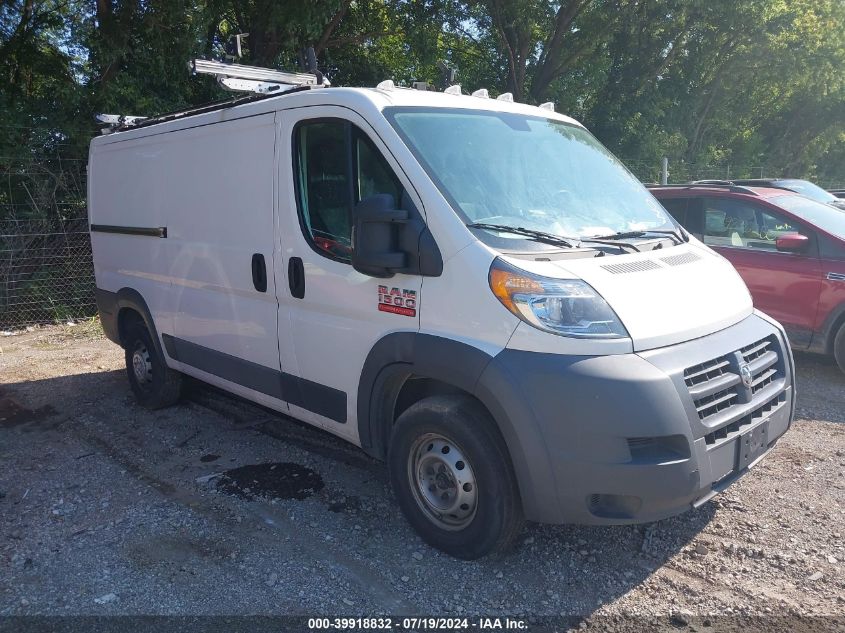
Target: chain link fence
[(681, 172), (46, 271)]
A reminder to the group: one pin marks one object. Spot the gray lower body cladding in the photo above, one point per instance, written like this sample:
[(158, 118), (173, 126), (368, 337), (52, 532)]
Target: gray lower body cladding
[(108, 308), (639, 437)]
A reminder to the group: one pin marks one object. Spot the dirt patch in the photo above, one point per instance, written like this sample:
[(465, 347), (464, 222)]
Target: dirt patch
[(173, 550), (271, 481)]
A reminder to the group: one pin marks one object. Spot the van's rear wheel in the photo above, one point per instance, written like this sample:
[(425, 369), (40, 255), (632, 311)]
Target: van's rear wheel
[(154, 384), (453, 477), (839, 347)]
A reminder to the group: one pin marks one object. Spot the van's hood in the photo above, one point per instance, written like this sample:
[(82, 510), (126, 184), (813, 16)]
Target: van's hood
[(665, 296)]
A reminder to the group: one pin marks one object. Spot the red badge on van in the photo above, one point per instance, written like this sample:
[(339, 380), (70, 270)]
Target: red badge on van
[(397, 301)]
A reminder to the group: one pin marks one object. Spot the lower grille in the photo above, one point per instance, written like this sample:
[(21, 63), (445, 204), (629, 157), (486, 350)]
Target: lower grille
[(733, 429)]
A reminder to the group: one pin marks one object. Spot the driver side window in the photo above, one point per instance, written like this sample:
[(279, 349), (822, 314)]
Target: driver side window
[(336, 166)]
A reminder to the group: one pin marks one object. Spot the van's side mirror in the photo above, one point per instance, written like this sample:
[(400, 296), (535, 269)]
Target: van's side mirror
[(375, 248), (387, 240), (792, 243)]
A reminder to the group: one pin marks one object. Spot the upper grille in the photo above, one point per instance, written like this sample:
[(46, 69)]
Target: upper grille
[(716, 385), (761, 360)]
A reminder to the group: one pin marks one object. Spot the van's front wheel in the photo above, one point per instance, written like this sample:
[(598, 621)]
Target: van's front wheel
[(154, 384), (453, 478)]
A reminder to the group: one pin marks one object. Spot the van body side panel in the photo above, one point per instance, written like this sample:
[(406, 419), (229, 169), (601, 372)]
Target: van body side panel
[(179, 218), (219, 180), (123, 191)]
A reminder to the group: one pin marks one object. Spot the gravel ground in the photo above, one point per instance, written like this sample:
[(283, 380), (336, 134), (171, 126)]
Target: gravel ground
[(216, 506)]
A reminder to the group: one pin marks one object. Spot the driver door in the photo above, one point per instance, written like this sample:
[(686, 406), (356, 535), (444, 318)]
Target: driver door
[(333, 315)]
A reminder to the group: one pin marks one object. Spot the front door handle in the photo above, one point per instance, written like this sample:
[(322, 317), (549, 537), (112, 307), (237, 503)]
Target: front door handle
[(259, 272), (296, 277)]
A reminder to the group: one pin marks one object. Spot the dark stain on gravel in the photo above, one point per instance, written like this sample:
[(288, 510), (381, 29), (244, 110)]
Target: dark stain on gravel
[(12, 414), (209, 458), (271, 481)]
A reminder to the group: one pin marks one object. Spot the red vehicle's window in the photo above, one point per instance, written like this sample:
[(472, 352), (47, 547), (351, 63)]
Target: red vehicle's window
[(739, 224)]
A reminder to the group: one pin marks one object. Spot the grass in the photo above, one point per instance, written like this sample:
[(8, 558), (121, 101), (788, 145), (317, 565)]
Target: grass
[(56, 336)]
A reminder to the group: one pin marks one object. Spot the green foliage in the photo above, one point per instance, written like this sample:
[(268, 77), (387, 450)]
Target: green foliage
[(749, 82)]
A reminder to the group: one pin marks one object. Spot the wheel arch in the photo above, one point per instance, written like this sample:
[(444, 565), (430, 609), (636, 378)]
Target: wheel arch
[(129, 301), (402, 356), (834, 321), (451, 364)]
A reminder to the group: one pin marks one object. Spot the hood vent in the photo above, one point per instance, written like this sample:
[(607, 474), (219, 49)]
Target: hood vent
[(678, 260), (632, 267)]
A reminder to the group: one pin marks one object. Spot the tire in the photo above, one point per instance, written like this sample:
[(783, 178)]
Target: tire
[(154, 384), (839, 348), (453, 478)]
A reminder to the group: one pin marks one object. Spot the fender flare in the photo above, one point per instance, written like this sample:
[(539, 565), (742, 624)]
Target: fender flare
[(398, 355), (132, 299)]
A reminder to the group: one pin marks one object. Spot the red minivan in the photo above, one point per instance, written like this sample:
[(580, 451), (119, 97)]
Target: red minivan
[(790, 251)]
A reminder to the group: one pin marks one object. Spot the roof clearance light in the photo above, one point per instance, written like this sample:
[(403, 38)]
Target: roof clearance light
[(387, 84), (453, 90), (481, 93), (505, 96), (548, 105)]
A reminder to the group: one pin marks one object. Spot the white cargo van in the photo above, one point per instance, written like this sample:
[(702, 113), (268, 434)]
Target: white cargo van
[(474, 290)]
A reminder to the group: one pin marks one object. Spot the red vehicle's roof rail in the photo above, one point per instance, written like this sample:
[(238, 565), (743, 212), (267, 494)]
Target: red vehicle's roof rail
[(712, 184)]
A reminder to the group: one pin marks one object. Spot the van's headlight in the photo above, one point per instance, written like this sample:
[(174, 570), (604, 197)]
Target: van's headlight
[(569, 307)]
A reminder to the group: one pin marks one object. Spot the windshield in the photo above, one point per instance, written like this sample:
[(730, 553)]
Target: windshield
[(827, 218), (807, 188), (529, 172)]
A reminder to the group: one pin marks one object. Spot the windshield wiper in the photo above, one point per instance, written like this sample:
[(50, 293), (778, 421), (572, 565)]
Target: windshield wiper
[(629, 234), (539, 236), (610, 241)]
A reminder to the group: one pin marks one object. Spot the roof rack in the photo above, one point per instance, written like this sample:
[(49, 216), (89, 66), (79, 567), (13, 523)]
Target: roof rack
[(211, 106), (259, 82), (710, 184)]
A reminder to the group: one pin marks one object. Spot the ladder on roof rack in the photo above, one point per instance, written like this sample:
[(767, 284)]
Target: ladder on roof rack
[(240, 78)]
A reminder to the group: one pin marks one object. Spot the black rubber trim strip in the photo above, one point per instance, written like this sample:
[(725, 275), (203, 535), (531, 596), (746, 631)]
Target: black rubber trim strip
[(156, 231), (312, 396)]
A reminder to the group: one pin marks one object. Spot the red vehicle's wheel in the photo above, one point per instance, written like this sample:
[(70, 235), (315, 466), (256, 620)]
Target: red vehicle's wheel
[(839, 347)]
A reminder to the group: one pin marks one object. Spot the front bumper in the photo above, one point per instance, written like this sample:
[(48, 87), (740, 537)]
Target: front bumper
[(639, 437)]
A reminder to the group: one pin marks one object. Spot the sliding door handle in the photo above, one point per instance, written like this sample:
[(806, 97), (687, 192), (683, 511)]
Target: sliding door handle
[(259, 272), (296, 277)]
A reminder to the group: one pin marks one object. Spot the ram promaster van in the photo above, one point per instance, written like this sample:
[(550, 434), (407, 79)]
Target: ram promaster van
[(474, 290)]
